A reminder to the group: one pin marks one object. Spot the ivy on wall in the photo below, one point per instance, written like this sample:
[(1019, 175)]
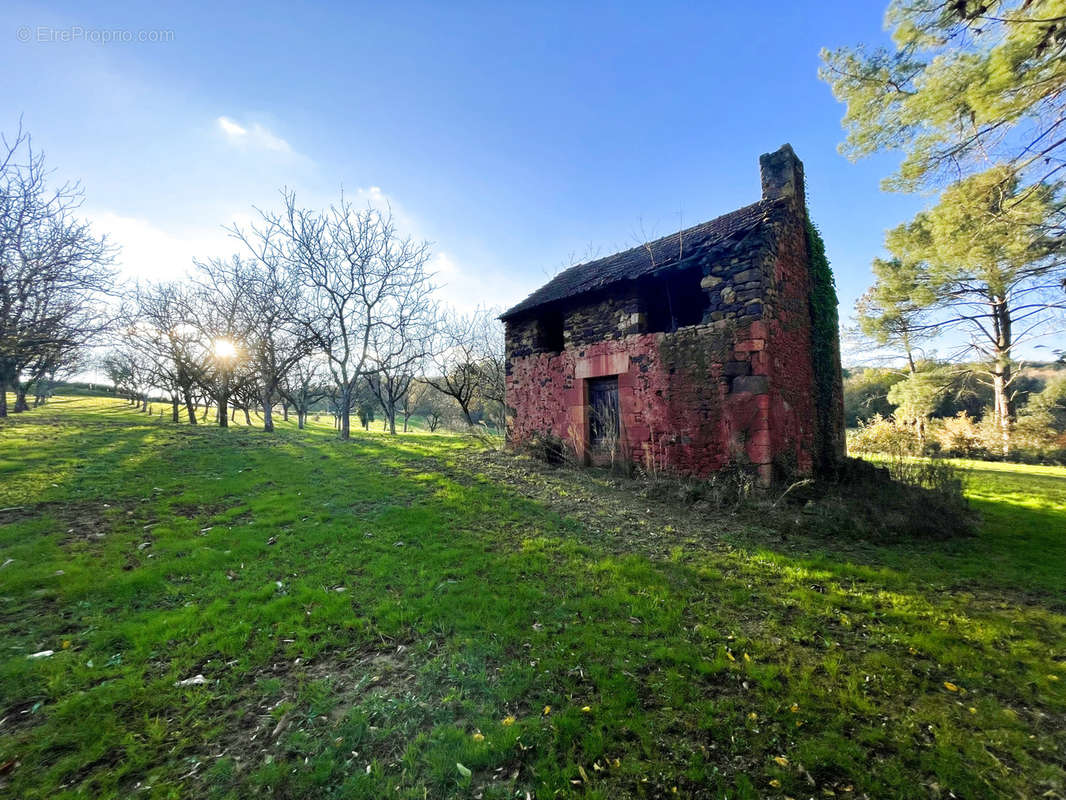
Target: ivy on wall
[(824, 345)]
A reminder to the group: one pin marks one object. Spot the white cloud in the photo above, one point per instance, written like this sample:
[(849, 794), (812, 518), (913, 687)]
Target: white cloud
[(150, 252), (158, 251), (231, 128), (255, 136)]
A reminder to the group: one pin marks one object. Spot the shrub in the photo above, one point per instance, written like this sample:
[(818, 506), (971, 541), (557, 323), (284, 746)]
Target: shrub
[(884, 435), (963, 437), (547, 448), (905, 497)]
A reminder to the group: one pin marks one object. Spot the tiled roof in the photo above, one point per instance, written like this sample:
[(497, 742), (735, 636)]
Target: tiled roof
[(723, 233)]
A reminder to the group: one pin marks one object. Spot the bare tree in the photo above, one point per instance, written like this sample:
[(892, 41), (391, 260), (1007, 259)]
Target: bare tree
[(218, 308), (304, 385), (399, 346), (467, 363), (53, 271), (433, 406), (279, 331), (131, 371), (173, 345), (357, 271)]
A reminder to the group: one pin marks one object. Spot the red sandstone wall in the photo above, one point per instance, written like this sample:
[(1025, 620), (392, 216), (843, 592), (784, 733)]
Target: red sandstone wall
[(792, 389), (679, 410)]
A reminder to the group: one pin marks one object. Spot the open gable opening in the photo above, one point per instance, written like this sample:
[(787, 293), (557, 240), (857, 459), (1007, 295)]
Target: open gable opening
[(550, 332), (674, 300)]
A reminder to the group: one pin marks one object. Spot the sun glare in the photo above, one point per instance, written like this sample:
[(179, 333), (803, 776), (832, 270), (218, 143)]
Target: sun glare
[(224, 348)]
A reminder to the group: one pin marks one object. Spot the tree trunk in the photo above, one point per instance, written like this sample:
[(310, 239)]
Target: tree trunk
[(190, 408), (466, 414), (301, 417), (3, 398), (175, 409), (284, 410), (346, 413), (1001, 371), (1004, 406), (223, 411), (20, 400), (247, 418), (268, 410)]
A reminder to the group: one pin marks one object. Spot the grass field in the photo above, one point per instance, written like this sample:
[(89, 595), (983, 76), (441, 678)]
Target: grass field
[(233, 613)]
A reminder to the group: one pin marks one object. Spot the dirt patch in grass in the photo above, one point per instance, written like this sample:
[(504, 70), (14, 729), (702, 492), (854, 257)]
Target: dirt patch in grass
[(79, 520), (298, 697), (623, 515), (198, 510)]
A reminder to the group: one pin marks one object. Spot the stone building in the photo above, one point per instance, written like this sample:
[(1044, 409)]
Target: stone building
[(690, 353)]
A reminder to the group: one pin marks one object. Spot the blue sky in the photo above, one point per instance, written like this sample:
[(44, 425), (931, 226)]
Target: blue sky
[(513, 136)]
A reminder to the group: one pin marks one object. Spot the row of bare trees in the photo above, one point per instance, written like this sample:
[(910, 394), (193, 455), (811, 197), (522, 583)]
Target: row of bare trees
[(54, 276), (332, 309), (335, 308)]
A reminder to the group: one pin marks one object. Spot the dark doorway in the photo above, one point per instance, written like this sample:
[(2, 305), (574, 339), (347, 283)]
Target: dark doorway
[(603, 413)]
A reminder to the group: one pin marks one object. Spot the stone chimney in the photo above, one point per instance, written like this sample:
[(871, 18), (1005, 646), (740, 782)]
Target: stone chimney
[(782, 175)]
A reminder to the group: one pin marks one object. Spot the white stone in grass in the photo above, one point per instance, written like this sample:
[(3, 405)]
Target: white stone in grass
[(42, 654), (196, 680)]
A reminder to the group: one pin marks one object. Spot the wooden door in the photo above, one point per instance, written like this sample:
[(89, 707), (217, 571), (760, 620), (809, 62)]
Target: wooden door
[(603, 413)]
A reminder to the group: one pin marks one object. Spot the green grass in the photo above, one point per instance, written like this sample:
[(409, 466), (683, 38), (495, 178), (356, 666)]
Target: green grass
[(417, 617)]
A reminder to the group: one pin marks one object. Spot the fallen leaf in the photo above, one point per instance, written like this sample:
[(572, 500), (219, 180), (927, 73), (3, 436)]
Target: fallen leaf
[(479, 737), (464, 771), (951, 687), (781, 761), (547, 710), (507, 721)]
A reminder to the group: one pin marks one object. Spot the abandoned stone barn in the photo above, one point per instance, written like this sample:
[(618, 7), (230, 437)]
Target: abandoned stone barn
[(710, 347)]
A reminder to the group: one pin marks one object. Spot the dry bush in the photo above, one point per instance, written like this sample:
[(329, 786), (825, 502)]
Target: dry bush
[(548, 448), (884, 435), (963, 437)]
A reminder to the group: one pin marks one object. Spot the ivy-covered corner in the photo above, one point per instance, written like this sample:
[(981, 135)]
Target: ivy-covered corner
[(830, 446)]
